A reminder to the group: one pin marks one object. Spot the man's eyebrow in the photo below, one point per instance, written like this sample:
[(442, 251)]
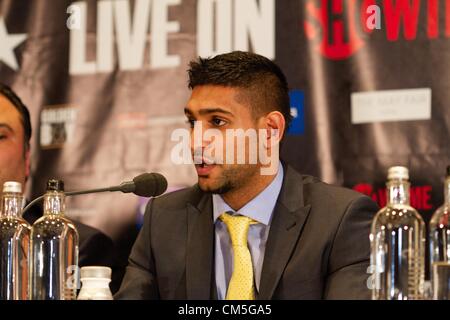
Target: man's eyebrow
[(6, 126), (205, 111), (214, 110)]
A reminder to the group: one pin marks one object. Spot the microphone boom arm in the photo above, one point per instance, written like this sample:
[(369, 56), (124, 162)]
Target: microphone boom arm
[(77, 193), (144, 185), (99, 190)]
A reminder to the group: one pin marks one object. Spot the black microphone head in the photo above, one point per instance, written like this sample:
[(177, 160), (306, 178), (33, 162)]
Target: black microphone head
[(150, 184)]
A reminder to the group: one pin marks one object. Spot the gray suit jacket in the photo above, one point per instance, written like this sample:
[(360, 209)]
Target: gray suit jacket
[(318, 245)]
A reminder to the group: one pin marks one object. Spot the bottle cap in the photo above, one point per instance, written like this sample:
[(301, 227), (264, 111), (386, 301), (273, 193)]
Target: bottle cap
[(98, 272), (398, 172), (55, 185), (12, 186)]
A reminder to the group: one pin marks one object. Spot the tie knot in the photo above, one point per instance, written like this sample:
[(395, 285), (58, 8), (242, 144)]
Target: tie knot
[(237, 228)]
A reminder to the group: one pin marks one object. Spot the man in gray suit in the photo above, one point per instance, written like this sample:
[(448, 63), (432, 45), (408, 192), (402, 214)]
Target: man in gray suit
[(242, 232)]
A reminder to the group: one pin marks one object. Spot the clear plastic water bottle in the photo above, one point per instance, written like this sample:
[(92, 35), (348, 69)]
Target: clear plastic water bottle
[(54, 250), (398, 244), (439, 232), (14, 244), (95, 283)]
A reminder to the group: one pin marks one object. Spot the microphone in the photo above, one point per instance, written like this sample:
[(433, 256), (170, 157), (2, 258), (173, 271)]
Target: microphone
[(144, 185)]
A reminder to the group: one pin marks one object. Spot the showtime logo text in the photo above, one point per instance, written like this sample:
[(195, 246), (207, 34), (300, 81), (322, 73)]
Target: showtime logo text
[(341, 27), (420, 196)]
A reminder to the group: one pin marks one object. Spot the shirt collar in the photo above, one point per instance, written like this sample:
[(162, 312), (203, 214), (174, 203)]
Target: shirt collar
[(259, 208)]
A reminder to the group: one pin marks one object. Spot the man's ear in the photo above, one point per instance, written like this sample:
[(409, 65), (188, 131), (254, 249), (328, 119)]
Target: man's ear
[(275, 124)]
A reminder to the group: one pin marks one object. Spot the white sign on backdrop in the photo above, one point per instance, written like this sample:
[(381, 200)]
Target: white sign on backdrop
[(391, 105)]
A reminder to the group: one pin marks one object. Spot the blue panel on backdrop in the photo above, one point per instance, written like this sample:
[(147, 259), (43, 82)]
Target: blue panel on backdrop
[(297, 126)]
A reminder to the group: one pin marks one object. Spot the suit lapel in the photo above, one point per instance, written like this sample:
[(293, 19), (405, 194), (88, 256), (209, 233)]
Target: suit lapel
[(200, 249), (288, 220)]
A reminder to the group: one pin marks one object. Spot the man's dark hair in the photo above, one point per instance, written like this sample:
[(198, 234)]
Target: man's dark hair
[(9, 94), (265, 85)]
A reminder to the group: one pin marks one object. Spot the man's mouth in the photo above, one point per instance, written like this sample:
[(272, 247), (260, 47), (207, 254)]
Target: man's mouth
[(202, 165), (204, 168)]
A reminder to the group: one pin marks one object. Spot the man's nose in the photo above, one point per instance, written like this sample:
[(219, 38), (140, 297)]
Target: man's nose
[(197, 136)]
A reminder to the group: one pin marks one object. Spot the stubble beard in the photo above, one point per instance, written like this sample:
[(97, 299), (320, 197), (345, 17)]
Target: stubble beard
[(232, 178)]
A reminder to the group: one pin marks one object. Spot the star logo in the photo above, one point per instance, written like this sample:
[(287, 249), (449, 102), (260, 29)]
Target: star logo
[(8, 42)]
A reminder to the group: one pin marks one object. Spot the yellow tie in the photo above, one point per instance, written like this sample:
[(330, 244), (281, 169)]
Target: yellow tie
[(241, 284)]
